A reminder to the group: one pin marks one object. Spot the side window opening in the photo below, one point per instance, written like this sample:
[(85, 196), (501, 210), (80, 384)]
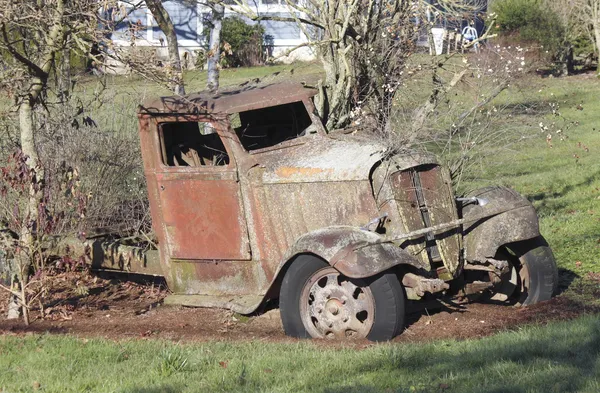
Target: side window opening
[(266, 127), (192, 144)]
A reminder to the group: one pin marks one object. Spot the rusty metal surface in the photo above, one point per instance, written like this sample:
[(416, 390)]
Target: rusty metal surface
[(439, 197), (406, 197), (418, 285), (354, 252), (215, 277), (226, 232), (425, 199), (229, 101), (484, 237), (285, 212), (111, 254), (399, 204), (202, 215), (243, 304), (322, 159)]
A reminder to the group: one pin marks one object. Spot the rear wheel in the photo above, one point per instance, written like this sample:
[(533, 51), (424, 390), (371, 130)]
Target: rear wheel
[(532, 276), (318, 301)]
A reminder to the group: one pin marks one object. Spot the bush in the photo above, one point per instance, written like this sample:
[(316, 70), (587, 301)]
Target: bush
[(102, 151), (530, 21), (242, 43)]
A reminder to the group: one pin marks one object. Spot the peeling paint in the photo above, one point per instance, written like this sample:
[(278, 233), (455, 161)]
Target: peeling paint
[(226, 231)]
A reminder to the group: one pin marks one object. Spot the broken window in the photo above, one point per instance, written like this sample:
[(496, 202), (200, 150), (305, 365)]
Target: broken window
[(192, 144), (266, 127)]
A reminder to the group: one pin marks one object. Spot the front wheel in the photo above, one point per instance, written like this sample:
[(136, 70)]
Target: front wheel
[(532, 276), (318, 301)]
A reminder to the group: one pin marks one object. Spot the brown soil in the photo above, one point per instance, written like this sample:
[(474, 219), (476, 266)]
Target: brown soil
[(118, 309)]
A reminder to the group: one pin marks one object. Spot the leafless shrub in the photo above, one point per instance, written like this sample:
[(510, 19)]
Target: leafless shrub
[(468, 115), (109, 165), (72, 132)]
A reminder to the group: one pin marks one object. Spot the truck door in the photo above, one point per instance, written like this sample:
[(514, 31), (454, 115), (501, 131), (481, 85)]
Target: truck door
[(200, 198)]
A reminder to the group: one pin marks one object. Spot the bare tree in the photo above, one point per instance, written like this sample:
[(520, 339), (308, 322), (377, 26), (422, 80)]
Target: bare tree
[(166, 26), (32, 35), (589, 16), (363, 46), (568, 12)]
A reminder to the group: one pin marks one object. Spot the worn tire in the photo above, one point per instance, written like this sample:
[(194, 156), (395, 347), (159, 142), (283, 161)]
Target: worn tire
[(534, 271), (386, 290)]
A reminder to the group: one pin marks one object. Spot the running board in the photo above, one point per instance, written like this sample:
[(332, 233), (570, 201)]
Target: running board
[(246, 304)]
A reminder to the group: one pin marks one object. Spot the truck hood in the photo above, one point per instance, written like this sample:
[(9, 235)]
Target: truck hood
[(318, 158)]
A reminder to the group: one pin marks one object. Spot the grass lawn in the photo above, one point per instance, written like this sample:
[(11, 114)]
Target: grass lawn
[(563, 182), (562, 357)]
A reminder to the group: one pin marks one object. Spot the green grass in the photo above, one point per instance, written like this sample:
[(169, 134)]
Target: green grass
[(113, 101), (562, 357), (563, 182)]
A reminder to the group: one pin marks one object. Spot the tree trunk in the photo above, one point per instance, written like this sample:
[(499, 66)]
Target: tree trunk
[(27, 250), (570, 61), (27, 245), (595, 19), (166, 26), (597, 35), (214, 52), (64, 81), (566, 60), (36, 188)]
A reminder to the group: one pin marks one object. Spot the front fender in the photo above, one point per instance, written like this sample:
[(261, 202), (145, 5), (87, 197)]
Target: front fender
[(483, 238), (356, 253)]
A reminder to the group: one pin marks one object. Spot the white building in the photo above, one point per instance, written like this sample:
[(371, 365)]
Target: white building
[(187, 17)]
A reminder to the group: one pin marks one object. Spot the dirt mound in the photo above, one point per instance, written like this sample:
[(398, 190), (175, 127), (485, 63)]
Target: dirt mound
[(91, 306)]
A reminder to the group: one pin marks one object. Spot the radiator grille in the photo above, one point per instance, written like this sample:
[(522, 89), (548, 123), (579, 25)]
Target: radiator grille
[(425, 198)]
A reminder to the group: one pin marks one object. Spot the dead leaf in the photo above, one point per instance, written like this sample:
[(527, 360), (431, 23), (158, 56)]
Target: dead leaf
[(223, 364)]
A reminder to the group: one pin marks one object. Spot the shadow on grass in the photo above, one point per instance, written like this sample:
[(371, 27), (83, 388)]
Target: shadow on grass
[(528, 108), (559, 359), (549, 201), (565, 279), (156, 389)]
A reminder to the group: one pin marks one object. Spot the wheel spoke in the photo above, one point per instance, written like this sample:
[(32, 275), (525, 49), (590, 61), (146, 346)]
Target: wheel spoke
[(361, 304), (348, 287), (318, 292), (357, 326), (340, 334)]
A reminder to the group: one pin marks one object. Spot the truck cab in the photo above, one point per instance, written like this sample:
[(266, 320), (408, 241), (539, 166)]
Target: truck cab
[(253, 200)]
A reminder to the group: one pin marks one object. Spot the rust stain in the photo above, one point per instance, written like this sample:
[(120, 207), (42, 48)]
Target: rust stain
[(230, 217), (287, 172)]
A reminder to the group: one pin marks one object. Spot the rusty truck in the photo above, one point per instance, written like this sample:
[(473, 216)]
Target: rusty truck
[(254, 201)]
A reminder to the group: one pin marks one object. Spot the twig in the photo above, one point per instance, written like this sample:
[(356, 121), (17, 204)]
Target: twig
[(18, 294)]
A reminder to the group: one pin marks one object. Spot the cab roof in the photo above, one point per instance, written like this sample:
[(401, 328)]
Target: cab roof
[(240, 99)]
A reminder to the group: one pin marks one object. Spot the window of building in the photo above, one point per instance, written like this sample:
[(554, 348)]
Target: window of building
[(192, 144), (266, 127)]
